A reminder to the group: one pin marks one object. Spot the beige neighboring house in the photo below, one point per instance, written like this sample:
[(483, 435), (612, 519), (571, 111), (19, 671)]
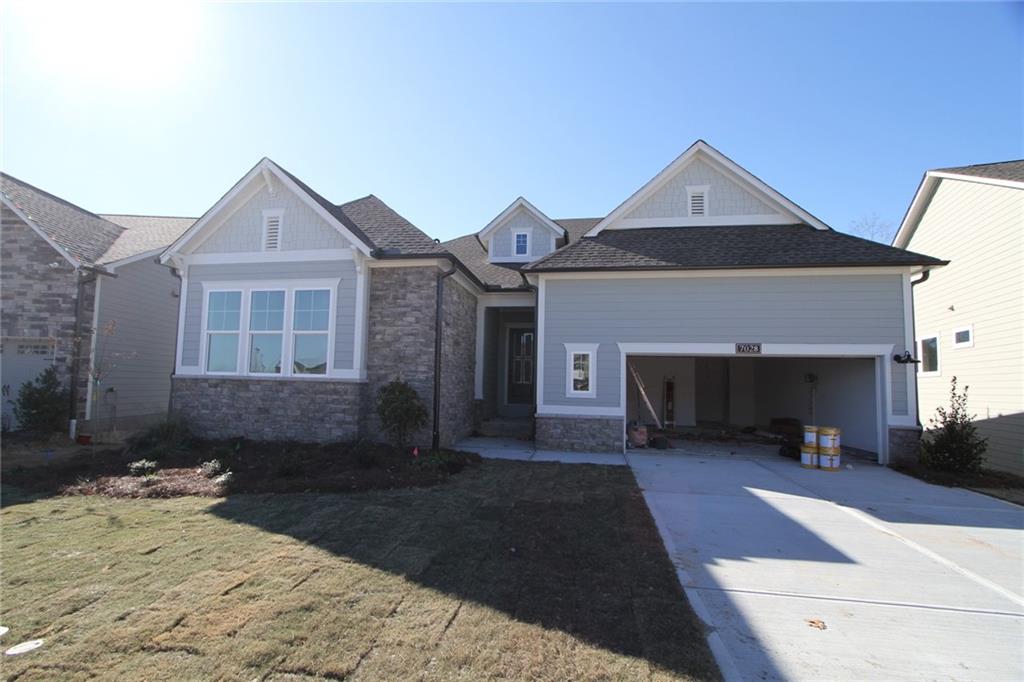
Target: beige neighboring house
[(969, 315)]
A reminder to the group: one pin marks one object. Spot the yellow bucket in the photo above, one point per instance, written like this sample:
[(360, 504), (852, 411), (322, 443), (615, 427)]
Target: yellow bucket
[(811, 435), (809, 456), (828, 437), (829, 461)]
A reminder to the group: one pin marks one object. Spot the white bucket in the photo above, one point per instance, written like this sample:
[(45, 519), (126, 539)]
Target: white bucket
[(811, 435), (828, 438), (829, 461), (809, 456)]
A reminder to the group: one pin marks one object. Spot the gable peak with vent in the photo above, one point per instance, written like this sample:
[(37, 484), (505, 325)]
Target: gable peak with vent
[(703, 187)]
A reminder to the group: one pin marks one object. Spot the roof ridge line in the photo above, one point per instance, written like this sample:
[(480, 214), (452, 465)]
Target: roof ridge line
[(58, 199)]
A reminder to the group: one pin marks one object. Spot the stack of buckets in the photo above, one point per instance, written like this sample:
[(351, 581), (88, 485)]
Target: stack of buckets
[(820, 449)]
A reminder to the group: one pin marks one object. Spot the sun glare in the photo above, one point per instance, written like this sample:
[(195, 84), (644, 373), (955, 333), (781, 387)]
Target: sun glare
[(115, 44)]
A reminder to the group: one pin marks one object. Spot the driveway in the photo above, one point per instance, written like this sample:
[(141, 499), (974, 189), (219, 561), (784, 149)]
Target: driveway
[(860, 574)]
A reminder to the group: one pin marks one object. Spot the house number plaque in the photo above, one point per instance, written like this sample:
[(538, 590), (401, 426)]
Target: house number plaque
[(748, 349)]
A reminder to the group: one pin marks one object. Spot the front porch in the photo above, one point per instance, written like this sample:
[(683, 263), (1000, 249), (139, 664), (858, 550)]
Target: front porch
[(506, 363)]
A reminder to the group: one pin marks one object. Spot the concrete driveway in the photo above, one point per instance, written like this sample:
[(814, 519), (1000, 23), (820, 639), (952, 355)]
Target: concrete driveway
[(860, 574)]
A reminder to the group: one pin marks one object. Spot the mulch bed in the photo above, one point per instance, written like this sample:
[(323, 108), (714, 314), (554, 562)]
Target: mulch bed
[(256, 467), (1000, 484)]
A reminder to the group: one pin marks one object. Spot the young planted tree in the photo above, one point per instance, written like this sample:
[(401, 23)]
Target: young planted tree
[(401, 411), (952, 442)]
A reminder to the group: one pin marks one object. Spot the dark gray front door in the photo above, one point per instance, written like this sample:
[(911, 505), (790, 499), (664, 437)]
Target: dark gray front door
[(520, 365)]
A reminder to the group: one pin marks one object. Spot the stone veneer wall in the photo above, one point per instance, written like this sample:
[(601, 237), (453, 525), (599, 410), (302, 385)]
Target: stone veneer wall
[(583, 434), (270, 409), (904, 444), (400, 339), (458, 355), (38, 301)]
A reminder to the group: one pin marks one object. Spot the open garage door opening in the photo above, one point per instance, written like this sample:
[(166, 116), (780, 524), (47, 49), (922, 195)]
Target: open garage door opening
[(748, 398)]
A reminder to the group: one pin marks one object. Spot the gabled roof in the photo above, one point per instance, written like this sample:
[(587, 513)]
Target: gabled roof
[(371, 225), (700, 148), (735, 247), (86, 238), (523, 204), (1003, 174), (81, 236)]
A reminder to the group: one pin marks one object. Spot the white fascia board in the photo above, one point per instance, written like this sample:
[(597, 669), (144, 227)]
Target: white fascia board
[(1014, 184), (115, 264), (522, 203), (915, 211), (726, 164), (75, 263), (267, 257), (724, 272)]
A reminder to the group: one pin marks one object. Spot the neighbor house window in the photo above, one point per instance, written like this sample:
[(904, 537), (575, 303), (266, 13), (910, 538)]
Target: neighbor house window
[(266, 332), (928, 354), (581, 370), (522, 243), (223, 321), (309, 330), (964, 337)]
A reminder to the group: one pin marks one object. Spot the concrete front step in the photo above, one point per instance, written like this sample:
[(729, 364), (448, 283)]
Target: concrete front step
[(506, 427)]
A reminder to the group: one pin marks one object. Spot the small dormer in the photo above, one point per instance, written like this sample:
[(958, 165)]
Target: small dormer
[(520, 234)]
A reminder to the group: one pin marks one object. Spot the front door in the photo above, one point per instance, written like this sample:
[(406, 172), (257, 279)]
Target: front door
[(520, 366)]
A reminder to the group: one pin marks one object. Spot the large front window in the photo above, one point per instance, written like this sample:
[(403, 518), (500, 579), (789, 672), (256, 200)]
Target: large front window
[(283, 330)]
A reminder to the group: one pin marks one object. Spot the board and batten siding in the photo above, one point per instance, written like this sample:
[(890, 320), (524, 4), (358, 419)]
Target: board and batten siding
[(345, 310), (979, 228), (136, 320), (542, 239), (813, 309)]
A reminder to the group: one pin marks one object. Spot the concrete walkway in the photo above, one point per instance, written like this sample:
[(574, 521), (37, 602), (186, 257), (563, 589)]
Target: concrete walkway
[(860, 574), (510, 448)]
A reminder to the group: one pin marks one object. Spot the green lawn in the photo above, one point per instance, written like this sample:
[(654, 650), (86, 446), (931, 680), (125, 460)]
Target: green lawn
[(511, 570)]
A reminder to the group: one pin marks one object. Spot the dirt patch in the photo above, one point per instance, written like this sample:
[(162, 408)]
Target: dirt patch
[(1001, 484), (255, 467)]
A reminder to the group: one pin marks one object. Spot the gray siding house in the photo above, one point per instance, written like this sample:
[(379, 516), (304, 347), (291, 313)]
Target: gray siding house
[(730, 303), (83, 292)]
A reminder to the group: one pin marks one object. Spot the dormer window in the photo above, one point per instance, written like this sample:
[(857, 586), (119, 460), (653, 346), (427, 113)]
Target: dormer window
[(272, 230), (697, 200), (521, 243)]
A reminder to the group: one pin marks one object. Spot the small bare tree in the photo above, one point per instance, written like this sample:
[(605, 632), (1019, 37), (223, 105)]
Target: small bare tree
[(872, 226)]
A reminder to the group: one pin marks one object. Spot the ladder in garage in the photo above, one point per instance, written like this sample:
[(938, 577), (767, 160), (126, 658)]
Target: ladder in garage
[(643, 393)]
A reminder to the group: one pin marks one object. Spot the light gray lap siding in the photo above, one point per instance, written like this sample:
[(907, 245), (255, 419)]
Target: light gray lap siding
[(134, 348), (841, 309), (345, 299)]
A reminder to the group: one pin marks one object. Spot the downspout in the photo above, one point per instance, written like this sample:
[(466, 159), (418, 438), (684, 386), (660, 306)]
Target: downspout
[(76, 342), (536, 336), (435, 438), (913, 328)]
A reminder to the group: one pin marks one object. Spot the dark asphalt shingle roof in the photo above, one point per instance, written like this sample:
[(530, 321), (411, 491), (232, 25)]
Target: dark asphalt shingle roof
[(143, 233), (83, 234), (375, 223), (1004, 170), (693, 248)]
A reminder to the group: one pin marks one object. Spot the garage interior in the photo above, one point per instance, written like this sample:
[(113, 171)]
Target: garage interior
[(721, 397)]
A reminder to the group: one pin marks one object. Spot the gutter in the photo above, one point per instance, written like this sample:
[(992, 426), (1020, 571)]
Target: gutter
[(678, 268), (435, 438)]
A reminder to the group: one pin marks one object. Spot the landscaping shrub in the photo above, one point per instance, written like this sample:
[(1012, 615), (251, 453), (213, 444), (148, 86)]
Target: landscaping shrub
[(211, 468), (142, 467), (401, 411), (42, 404), (951, 442)]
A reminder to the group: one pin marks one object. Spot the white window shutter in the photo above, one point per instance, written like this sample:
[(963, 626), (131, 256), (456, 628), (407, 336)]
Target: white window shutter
[(272, 232)]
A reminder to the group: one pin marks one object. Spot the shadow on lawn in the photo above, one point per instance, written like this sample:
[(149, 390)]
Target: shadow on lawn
[(566, 547)]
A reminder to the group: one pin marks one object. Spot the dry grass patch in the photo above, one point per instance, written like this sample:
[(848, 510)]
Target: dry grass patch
[(510, 570)]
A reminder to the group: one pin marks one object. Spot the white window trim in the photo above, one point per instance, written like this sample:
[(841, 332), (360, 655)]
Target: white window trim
[(247, 306), (572, 349), (938, 355), (289, 287), (697, 189), (515, 240), (267, 214), (966, 344), (204, 342)]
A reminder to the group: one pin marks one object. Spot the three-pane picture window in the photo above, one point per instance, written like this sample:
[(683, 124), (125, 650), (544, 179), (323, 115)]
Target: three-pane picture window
[(287, 331)]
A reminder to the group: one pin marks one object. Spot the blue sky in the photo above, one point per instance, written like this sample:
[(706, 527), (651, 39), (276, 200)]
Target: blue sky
[(449, 112)]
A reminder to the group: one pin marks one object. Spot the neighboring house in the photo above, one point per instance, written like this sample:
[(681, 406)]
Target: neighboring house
[(969, 316), (83, 292), (733, 305)]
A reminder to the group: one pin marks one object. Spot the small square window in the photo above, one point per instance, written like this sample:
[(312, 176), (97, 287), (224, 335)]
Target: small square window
[(522, 244), (928, 354), (963, 338)]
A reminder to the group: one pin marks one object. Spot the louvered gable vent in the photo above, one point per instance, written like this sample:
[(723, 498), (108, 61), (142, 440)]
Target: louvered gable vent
[(697, 203), (272, 232)]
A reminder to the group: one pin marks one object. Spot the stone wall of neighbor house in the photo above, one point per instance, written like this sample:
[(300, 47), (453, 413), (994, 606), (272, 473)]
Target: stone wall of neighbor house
[(400, 339), (582, 433), (904, 444), (307, 410), (38, 301), (458, 353)]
